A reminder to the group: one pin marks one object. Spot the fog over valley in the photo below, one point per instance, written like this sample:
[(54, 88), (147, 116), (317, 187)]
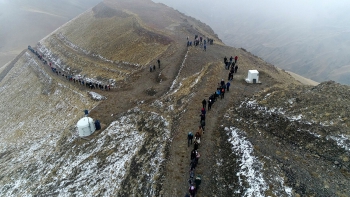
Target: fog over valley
[(311, 38), (24, 23)]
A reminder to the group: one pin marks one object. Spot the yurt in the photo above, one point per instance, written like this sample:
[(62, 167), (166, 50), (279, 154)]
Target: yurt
[(253, 76), (86, 126)]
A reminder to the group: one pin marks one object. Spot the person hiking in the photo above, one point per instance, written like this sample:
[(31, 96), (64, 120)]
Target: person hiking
[(225, 60), (209, 104), (203, 111), (222, 83), (231, 58), (236, 58), (154, 67), (205, 47), (217, 94), (192, 190), (158, 63), (150, 68), (233, 65), (195, 145), (228, 86), (189, 138), (193, 154), (197, 137), (222, 92), (202, 117), (204, 103), (203, 125), (200, 130), (236, 68), (197, 157), (227, 66)]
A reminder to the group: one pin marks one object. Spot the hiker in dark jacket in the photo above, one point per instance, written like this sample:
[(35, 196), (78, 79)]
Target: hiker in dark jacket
[(158, 63), (236, 68), (195, 145), (228, 86), (193, 154), (222, 83), (204, 103), (202, 117), (189, 138), (209, 104), (154, 67), (217, 94), (203, 125)]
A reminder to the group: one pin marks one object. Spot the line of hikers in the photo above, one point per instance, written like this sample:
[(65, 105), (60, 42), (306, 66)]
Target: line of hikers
[(232, 66), (37, 54), (199, 40), (195, 182), (75, 79), (153, 68)]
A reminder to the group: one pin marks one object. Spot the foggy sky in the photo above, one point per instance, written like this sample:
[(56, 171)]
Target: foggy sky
[(24, 23), (298, 11), (309, 37)]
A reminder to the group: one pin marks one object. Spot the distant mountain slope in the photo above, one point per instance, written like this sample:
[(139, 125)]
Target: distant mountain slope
[(308, 38), (25, 22)]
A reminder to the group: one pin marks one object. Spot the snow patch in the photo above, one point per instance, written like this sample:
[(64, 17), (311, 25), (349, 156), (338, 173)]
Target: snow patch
[(178, 74), (341, 140), (97, 96), (250, 167)]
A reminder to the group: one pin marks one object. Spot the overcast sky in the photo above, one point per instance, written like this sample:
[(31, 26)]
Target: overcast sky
[(334, 11), (304, 36), (24, 23)]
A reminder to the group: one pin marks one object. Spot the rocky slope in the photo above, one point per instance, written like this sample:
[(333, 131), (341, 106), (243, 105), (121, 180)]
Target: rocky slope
[(277, 138)]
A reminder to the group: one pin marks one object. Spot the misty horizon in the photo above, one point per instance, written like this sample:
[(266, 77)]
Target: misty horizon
[(310, 38)]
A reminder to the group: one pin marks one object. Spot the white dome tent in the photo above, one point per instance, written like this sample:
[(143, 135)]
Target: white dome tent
[(86, 126)]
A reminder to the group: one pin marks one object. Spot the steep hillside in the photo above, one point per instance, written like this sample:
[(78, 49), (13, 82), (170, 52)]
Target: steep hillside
[(260, 139)]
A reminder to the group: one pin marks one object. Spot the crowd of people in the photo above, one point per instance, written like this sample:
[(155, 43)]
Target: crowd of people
[(231, 65), (194, 182), (153, 68), (200, 41), (73, 78)]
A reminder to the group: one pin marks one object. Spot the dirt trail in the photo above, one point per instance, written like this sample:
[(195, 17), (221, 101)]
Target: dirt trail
[(176, 181), (210, 64)]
